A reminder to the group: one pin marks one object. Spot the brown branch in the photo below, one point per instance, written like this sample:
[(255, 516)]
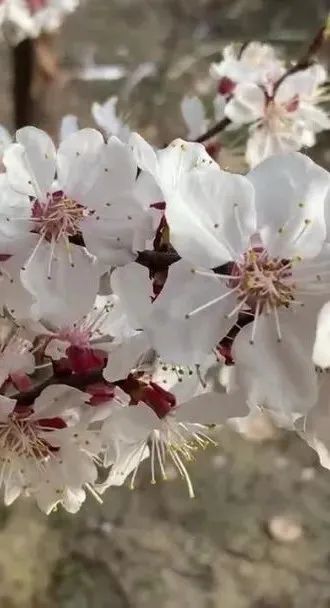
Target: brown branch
[(23, 59), (220, 126), (307, 59), (35, 83)]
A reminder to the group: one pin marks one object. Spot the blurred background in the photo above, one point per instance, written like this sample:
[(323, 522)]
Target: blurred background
[(258, 533)]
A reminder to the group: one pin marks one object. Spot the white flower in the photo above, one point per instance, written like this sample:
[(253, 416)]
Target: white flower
[(252, 62), (284, 119), (169, 424), (37, 454), (105, 116), (22, 19), (86, 342), (92, 196), (267, 244), (167, 165)]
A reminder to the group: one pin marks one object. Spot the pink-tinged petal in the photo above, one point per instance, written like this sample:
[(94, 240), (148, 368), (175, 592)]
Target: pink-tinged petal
[(31, 163)]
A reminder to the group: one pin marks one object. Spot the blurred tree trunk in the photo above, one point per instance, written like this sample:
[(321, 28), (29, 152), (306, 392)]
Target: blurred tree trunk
[(36, 83)]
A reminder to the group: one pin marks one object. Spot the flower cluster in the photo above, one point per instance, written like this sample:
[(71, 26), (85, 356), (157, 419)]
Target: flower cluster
[(131, 278), (20, 19), (147, 295), (282, 106)]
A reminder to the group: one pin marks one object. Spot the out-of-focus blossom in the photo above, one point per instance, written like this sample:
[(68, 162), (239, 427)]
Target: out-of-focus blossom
[(249, 63), (107, 119), (22, 19), (284, 119)]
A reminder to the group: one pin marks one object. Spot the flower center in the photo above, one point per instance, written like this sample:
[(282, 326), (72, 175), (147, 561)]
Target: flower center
[(59, 218), (177, 443), (20, 437), (264, 281)]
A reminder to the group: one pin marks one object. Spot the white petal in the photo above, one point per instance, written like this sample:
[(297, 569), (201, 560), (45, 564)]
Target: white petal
[(69, 125), (179, 334), (321, 351), (128, 457), (54, 400), (290, 216), (105, 116), (13, 294), (125, 357), (71, 290), (211, 216), (177, 159), (77, 162), (31, 162), (12, 490), (279, 376), (131, 424), (193, 113), (247, 104), (211, 408), (15, 213), (147, 190), (144, 154), (133, 286), (73, 499)]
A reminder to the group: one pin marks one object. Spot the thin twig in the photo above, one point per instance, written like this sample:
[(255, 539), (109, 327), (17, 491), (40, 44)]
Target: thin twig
[(220, 126)]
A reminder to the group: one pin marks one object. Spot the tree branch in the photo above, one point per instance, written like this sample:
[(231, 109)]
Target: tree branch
[(220, 126)]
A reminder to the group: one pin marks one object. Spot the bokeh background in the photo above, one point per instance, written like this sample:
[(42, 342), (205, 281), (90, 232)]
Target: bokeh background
[(258, 533)]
